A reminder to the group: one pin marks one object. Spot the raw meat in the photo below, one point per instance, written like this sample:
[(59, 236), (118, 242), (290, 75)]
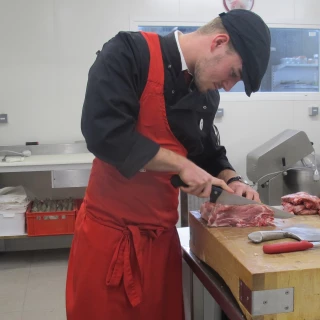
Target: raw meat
[(301, 203), (291, 208), (251, 215), (308, 212)]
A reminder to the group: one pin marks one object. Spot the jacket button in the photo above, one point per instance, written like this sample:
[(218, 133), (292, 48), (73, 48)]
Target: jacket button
[(173, 91), (169, 66), (204, 107)]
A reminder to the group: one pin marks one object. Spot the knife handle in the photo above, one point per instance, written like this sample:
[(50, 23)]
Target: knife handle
[(260, 236), (177, 182), (287, 247)]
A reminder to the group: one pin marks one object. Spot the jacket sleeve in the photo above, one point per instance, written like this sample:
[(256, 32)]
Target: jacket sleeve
[(216, 155), (213, 158), (111, 107)]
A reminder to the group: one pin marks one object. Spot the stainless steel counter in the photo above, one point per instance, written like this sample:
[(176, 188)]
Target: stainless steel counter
[(214, 301)]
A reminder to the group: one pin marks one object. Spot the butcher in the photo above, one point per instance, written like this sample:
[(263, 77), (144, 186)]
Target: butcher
[(148, 113)]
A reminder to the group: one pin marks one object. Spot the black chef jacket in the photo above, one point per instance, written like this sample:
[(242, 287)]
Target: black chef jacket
[(115, 84)]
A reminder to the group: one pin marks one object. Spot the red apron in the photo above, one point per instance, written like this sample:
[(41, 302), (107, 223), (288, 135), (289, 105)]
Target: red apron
[(125, 259)]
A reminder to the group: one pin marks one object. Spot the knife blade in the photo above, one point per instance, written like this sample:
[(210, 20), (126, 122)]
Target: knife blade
[(221, 196)]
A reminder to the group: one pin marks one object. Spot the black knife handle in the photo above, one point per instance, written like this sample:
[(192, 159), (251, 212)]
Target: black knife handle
[(215, 194), (177, 182)]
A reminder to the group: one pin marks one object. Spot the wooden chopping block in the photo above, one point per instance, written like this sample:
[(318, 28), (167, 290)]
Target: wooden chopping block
[(267, 287)]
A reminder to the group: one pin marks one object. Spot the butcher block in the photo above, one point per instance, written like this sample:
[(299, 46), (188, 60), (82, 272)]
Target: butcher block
[(276, 286)]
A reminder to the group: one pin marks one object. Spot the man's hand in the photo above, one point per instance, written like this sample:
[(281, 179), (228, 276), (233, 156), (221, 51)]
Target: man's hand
[(244, 190), (199, 181), (239, 188)]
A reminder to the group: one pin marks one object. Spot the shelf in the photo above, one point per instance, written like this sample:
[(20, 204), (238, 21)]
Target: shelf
[(49, 163), (14, 237), (285, 65), (295, 88)]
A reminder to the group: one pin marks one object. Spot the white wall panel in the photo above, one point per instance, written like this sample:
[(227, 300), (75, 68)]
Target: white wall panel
[(246, 125), (275, 11), (26, 32), (153, 8), (307, 11), (311, 125), (200, 10)]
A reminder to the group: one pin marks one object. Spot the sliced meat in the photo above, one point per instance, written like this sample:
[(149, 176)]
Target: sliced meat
[(291, 208), (288, 206), (301, 203), (252, 215), (302, 198), (298, 209), (307, 212)]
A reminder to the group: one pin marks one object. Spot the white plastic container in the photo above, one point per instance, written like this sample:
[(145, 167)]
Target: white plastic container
[(12, 223), (13, 207)]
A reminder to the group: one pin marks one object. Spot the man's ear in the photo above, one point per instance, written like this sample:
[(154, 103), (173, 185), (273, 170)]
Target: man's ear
[(219, 40)]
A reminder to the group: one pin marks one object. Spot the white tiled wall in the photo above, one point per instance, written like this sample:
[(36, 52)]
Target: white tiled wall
[(247, 124), (154, 7), (307, 11), (275, 11), (48, 46)]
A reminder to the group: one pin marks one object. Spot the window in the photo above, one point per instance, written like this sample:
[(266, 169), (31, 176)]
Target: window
[(165, 30), (294, 59)]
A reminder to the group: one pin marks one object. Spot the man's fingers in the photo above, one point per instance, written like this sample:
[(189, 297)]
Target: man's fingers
[(224, 186), (206, 191), (249, 195), (193, 190), (256, 197), (239, 191)]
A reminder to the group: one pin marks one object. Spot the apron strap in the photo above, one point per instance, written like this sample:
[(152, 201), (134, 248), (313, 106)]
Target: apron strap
[(126, 262)]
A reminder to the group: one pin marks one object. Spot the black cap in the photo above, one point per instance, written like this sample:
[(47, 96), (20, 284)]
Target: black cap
[(250, 37)]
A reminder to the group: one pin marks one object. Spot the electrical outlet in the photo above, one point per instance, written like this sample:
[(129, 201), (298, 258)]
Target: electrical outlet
[(220, 113), (3, 118), (313, 111)]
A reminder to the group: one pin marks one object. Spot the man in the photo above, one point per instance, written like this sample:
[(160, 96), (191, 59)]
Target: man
[(144, 121)]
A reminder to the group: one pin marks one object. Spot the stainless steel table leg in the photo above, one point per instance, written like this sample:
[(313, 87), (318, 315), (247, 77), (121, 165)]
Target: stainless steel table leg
[(198, 313), (211, 309)]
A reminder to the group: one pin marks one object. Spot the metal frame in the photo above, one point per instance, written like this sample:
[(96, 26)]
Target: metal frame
[(215, 286)]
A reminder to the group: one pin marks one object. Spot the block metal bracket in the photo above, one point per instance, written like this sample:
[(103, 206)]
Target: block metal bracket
[(265, 302)]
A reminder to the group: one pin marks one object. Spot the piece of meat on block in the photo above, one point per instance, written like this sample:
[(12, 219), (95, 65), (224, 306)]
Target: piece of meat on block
[(310, 202), (308, 212), (301, 203), (251, 215), (291, 208)]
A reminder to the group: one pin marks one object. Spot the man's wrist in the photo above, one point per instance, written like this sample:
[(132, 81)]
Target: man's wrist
[(237, 178), (226, 174)]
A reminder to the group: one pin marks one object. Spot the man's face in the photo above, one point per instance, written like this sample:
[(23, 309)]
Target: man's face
[(218, 68)]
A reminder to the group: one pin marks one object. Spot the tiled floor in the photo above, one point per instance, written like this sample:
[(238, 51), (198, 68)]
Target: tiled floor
[(32, 285)]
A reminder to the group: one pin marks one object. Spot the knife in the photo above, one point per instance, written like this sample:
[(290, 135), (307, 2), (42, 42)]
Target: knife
[(218, 195), (289, 246)]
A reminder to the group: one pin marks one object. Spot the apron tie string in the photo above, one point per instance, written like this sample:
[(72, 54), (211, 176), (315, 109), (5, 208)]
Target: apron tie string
[(126, 262)]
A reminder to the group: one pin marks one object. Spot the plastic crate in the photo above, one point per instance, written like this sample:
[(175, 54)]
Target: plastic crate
[(50, 223), (12, 224)]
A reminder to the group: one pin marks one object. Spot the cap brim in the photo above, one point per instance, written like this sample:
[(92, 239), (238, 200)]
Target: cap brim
[(246, 81)]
